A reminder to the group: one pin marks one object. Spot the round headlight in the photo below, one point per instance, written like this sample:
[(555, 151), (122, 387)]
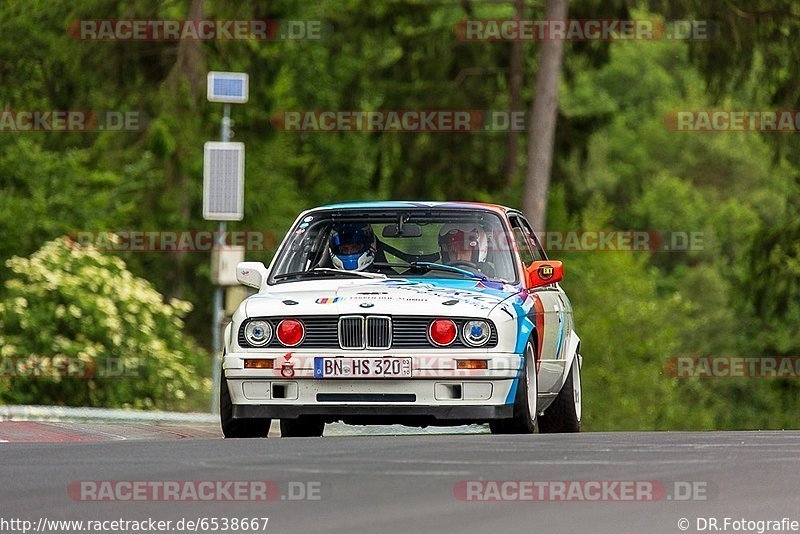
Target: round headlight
[(258, 333), (291, 332), (476, 333), (442, 332)]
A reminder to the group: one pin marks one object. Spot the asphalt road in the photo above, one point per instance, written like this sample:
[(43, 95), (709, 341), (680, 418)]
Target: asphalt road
[(406, 483)]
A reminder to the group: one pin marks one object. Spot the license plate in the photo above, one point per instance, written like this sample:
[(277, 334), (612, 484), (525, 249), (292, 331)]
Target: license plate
[(362, 367)]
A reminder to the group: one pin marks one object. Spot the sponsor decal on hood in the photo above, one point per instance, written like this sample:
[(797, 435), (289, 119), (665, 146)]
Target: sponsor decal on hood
[(481, 295)]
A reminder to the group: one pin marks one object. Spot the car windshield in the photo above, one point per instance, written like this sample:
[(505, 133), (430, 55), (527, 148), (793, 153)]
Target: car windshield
[(459, 244)]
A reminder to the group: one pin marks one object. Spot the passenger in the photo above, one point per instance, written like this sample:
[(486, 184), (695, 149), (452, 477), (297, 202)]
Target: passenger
[(462, 246)]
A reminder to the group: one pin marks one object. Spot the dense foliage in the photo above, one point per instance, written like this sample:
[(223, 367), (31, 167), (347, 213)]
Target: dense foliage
[(616, 167), (79, 329)]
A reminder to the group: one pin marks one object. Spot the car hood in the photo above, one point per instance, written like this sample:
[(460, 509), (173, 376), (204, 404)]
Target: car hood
[(440, 297)]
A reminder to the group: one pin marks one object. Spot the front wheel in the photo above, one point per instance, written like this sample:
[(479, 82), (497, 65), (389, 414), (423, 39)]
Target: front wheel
[(524, 419), (564, 414), (238, 428)]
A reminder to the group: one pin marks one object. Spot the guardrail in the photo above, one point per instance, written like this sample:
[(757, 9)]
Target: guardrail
[(99, 415)]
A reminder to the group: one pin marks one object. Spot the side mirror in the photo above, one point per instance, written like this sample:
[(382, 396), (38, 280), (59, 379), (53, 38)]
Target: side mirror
[(543, 273), (251, 273)]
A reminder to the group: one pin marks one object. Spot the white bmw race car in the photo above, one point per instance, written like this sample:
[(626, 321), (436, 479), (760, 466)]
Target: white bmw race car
[(418, 313)]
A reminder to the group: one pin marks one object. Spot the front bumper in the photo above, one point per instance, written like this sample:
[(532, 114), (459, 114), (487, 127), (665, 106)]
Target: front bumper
[(437, 392)]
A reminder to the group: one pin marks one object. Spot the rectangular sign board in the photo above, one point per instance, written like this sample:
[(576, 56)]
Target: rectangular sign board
[(228, 87), (223, 181)]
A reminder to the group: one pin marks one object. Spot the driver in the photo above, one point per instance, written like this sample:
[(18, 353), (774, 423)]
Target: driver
[(459, 245), (352, 246)]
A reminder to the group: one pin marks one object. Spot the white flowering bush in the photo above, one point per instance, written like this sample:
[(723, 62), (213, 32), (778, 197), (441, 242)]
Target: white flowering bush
[(78, 329)]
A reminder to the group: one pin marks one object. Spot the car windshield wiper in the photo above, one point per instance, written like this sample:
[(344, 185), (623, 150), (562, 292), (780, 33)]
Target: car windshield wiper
[(429, 266), (327, 271)]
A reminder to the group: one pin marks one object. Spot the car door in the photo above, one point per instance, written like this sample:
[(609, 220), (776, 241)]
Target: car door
[(556, 322), (540, 255)]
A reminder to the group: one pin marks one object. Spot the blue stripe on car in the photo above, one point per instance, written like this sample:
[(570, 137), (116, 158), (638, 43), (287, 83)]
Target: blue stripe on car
[(513, 391), (524, 328)]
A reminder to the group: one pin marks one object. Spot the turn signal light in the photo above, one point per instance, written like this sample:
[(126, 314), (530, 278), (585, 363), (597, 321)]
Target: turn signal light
[(258, 364), (472, 364)]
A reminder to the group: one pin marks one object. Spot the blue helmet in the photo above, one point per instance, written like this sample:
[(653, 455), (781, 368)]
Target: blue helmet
[(352, 246)]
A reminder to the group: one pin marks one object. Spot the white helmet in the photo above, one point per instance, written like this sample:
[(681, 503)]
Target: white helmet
[(352, 246), (455, 238)]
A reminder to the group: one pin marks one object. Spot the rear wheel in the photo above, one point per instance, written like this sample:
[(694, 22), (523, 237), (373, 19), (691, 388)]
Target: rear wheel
[(238, 428), (564, 414), (302, 427), (524, 420)]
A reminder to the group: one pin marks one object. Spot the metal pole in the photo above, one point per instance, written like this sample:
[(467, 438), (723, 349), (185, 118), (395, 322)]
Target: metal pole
[(218, 311)]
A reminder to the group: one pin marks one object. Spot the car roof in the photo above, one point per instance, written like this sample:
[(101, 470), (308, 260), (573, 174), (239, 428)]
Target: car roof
[(411, 204)]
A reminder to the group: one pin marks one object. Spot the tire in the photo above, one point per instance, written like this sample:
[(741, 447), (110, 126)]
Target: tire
[(302, 427), (238, 428), (564, 414), (524, 419)]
